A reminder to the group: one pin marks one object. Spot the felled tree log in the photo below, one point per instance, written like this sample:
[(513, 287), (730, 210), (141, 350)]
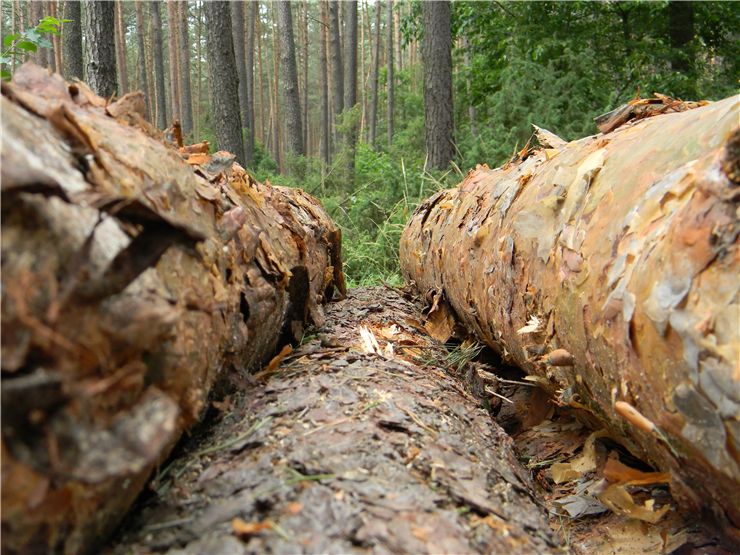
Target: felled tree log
[(348, 446), (132, 284), (607, 268)]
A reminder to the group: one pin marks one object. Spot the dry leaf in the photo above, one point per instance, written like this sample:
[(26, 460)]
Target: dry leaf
[(243, 528)]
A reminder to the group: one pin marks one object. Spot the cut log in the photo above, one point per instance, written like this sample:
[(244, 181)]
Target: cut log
[(607, 268), (350, 445), (133, 283)]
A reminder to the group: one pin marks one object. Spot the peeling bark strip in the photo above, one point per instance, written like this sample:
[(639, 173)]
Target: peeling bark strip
[(608, 267), (131, 282), (349, 446)]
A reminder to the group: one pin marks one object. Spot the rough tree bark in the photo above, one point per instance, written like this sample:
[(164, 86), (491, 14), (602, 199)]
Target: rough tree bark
[(324, 140), (100, 46), (291, 95), (72, 40), (130, 289), (224, 80), (437, 59), (143, 80), (35, 13), (336, 61), (249, 117), (373, 127), (345, 448), (186, 106), (350, 85), (237, 37), (159, 64), (607, 267), (174, 59), (120, 40)]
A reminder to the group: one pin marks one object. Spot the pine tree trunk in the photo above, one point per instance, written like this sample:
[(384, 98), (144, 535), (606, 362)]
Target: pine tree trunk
[(260, 80), (373, 126), (249, 115), (101, 48), (199, 84), (305, 80), (336, 63), (606, 268), (174, 57), (437, 57), (120, 40), (391, 85), (56, 39), (140, 34), (350, 85), (72, 40), (186, 101), (159, 77), (223, 76), (294, 140), (324, 146), (237, 36), (275, 99)]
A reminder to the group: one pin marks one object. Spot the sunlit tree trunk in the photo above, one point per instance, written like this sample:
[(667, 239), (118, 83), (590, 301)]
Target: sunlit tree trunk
[(249, 114)]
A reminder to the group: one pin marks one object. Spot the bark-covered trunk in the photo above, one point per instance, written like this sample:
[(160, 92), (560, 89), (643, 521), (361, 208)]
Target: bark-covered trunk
[(607, 269), (143, 78), (324, 140), (350, 86), (373, 126), (174, 59), (472, 111), (224, 80), (291, 95), (72, 40), (391, 103), (437, 58), (158, 48), (131, 286), (120, 40), (100, 73), (336, 61), (345, 448), (186, 100), (237, 37), (249, 117)]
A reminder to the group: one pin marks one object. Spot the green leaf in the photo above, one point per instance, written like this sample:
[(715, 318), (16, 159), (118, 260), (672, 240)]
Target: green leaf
[(27, 46), (5, 59), (7, 41), (5, 74), (50, 19)]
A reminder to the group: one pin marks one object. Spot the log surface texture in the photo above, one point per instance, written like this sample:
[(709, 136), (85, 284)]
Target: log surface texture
[(133, 282), (608, 269), (348, 446)]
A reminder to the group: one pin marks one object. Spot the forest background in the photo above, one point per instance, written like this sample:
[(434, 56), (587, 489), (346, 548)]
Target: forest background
[(346, 119)]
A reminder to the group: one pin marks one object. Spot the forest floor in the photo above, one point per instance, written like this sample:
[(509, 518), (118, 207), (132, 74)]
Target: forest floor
[(371, 438)]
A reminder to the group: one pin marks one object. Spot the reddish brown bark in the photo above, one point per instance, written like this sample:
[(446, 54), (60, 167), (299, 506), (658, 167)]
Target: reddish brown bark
[(133, 282)]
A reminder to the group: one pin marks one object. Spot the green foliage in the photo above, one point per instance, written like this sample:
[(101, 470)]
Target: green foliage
[(28, 41)]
